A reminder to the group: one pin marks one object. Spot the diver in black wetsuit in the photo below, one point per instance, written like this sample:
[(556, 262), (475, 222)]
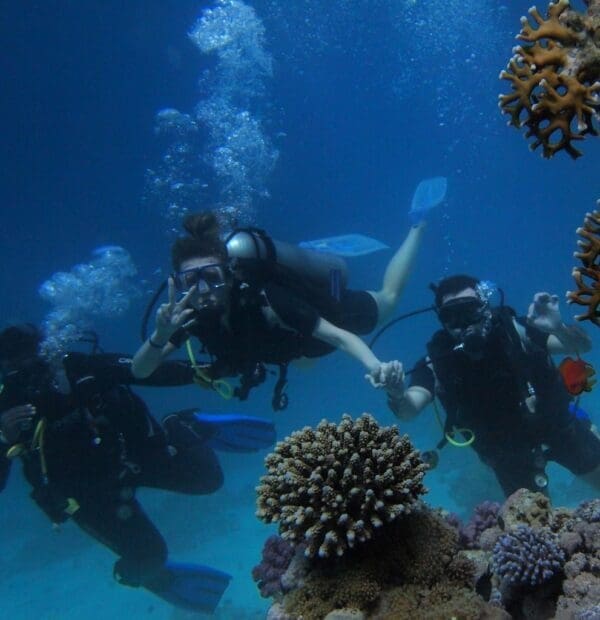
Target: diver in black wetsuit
[(494, 375), (252, 301), (86, 442)]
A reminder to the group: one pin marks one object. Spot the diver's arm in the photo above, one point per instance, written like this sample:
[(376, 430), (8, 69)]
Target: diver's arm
[(408, 405), (568, 339), (345, 341), (150, 355), (544, 314), (170, 317)]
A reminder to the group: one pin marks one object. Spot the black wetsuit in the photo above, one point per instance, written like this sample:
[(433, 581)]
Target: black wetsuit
[(273, 323), (101, 443), (487, 396)]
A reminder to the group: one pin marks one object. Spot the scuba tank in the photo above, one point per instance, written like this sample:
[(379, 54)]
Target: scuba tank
[(252, 246), (322, 269)]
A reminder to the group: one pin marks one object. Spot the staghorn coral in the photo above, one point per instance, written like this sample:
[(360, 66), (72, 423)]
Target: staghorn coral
[(332, 487), (587, 277), (555, 77), (527, 557)]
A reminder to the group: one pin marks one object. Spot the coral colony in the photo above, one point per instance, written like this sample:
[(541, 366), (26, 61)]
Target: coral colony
[(332, 487), (555, 77), (587, 276), (359, 543)]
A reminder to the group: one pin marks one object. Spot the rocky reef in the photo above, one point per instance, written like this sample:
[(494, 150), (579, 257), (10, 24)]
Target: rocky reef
[(555, 77), (522, 560)]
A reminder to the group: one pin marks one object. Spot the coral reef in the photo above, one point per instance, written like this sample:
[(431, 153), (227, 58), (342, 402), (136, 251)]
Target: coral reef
[(587, 277), (484, 517), (522, 560), (555, 77), (527, 557), (332, 487), (276, 557), (525, 507)]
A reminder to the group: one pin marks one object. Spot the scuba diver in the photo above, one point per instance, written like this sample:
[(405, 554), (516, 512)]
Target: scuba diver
[(252, 302), (494, 375), (87, 442)]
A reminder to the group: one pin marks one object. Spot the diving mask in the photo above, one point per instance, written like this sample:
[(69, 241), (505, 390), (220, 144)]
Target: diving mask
[(206, 278), (462, 312)]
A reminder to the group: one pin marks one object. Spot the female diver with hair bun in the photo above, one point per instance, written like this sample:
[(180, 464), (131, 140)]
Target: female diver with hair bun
[(253, 301)]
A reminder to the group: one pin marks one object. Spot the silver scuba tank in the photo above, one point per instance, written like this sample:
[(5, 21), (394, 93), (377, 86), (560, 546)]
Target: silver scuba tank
[(321, 268)]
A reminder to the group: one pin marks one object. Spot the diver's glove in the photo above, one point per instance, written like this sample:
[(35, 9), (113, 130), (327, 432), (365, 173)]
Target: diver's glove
[(390, 377), (16, 422)]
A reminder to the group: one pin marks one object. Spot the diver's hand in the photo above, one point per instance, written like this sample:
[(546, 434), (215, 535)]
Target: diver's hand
[(388, 376), (544, 313), (173, 315), (15, 421)]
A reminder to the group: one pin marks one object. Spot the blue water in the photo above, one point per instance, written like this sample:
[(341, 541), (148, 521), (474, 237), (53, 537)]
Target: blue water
[(350, 105)]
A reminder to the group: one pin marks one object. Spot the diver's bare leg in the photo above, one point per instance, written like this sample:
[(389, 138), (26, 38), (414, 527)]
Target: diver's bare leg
[(397, 273)]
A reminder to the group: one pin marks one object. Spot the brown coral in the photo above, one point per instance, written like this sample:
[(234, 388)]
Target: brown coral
[(587, 277), (555, 77), (331, 487), (417, 548)]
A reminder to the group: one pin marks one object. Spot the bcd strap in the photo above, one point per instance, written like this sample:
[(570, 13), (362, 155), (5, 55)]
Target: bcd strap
[(250, 379), (280, 399)]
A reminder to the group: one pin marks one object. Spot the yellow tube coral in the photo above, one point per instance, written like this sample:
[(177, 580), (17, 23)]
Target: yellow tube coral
[(555, 77)]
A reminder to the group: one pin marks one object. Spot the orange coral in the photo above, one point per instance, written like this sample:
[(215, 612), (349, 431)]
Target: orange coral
[(587, 277), (555, 77)]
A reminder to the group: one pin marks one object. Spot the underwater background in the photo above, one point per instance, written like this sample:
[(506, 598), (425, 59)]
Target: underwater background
[(309, 119)]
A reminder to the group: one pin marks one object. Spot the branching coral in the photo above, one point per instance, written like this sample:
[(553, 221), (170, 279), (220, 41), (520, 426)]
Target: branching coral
[(555, 77), (332, 486), (276, 557), (527, 557), (587, 277)]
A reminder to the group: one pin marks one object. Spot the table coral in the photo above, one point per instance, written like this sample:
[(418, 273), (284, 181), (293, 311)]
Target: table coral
[(555, 77), (332, 487)]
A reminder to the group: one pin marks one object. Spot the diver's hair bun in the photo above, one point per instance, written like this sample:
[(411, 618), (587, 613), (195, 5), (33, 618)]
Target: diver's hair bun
[(203, 225), (203, 239)]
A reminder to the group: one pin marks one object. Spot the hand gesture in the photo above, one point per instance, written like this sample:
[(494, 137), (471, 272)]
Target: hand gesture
[(15, 421), (544, 313), (388, 376), (174, 314)]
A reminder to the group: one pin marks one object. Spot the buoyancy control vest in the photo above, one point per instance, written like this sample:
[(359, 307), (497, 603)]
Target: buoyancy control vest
[(489, 394)]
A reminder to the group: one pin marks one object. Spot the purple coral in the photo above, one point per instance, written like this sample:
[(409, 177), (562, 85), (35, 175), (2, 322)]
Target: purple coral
[(484, 516), (527, 557), (589, 511), (276, 557)]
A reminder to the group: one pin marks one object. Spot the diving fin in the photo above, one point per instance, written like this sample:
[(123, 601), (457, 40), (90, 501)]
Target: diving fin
[(345, 245), (230, 432), (429, 194), (191, 586)]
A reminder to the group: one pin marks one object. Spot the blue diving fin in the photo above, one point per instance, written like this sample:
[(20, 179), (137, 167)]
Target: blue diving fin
[(230, 432), (192, 586), (429, 194), (345, 245)]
